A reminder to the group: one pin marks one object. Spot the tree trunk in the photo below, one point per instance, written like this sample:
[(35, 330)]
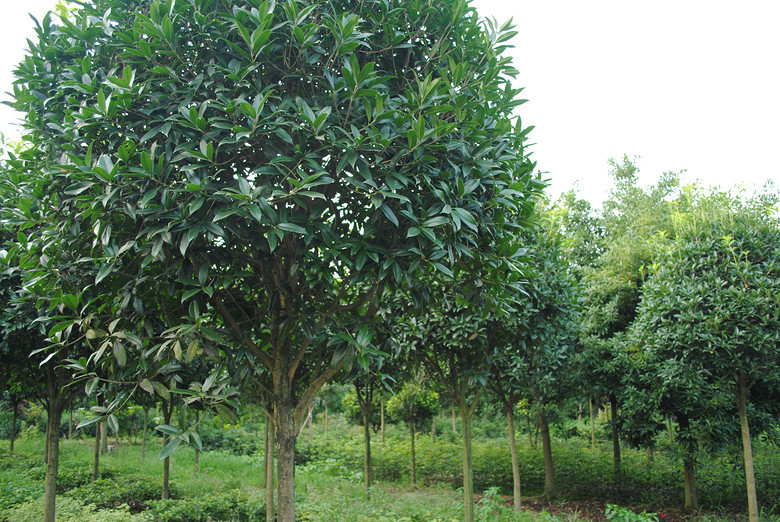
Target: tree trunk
[(326, 420), (691, 498), (650, 454), (53, 449), (46, 444), (468, 468), (368, 468), (433, 430), (592, 425), (70, 423), (747, 450), (414, 462), (13, 428), (382, 419), (96, 459), (454, 428), (615, 433), (268, 460), (671, 434), (286, 434), (510, 418), (146, 429), (530, 435), (196, 466), (103, 438), (310, 420), (167, 408), (549, 472)]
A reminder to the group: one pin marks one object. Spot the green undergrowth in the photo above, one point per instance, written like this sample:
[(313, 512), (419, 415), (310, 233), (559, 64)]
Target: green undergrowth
[(581, 473)]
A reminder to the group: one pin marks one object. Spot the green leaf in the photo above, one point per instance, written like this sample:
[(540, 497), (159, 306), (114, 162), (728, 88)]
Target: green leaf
[(170, 448), (168, 430)]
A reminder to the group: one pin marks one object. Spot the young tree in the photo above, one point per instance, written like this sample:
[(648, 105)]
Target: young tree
[(713, 302), (415, 405), (284, 163)]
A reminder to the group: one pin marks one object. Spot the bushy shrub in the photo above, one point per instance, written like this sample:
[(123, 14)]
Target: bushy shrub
[(236, 505), (238, 441), (70, 510), (132, 490)]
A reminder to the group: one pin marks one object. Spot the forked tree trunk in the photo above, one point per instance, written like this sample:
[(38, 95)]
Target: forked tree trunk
[(747, 450), (549, 471), (510, 418)]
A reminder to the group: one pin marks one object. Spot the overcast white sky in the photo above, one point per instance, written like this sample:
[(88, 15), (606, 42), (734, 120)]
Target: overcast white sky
[(685, 84)]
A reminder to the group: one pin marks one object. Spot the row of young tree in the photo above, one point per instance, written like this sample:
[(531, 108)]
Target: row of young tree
[(217, 197)]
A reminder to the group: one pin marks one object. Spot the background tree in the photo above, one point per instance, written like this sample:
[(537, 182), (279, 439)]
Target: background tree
[(713, 303)]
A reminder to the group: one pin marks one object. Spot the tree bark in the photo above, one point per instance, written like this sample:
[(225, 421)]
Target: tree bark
[(103, 438), (367, 467), (531, 441), (549, 472), (167, 408), (615, 433), (98, 431), (691, 498), (468, 468), (414, 461), (592, 425), (326, 420), (53, 445), (13, 428), (382, 419), (70, 423), (454, 428), (747, 450), (286, 434), (510, 418), (196, 466), (146, 429), (268, 460)]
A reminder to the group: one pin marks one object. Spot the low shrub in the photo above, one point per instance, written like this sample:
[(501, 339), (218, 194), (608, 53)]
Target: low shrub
[(235, 505), (70, 510), (134, 491)]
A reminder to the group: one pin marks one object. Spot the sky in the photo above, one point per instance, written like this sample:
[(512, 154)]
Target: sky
[(689, 85)]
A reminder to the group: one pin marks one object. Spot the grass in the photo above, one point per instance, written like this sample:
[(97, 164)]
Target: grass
[(329, 486)]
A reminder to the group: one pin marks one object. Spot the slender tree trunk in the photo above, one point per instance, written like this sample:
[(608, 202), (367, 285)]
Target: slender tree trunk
[(310, 420), (53, 447), (167, 414), (433, 430), (368, 468), (13, 428), (510, 418), (196, 466), (530, 435), (382, 419), (615, 434), (454, 428), (549, 472), (46, 444), (286, 434), (691, 498), (414, 461), (70, 423), (103, 438), (592, 425), (268, 458), (96, 459), (146, 430), (671, 433), (468, 468), (747, 450), (99, 427), (326, 421)]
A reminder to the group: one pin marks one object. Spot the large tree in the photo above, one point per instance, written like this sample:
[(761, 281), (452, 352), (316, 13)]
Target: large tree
[(284, 164)]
